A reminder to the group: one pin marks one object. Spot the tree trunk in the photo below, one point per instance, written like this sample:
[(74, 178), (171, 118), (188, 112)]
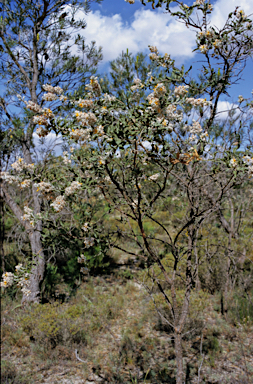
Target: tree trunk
[(38, 268), (34, 234), (179, 357)]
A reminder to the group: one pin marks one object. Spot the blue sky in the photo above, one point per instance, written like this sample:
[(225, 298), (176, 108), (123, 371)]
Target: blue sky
[(117, 25)]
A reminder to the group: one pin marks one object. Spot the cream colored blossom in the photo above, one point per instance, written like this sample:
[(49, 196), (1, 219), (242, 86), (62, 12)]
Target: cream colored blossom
[(51, 89), (154, 177), (44, 187), (58, 204), (203, 48), (74, 187), (181, 90), (233, 162), (89, 242)]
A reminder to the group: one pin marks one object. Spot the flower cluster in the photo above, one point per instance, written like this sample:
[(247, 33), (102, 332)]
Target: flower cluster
[(99, 130), (10, 179), (85, 227), (130, 1), (84, 103), (42, 131), (85, 119), (199, 2), (8, 279), (154, 52), (58, 204), (49, 96), (66, 159), (170, 112), (249, 161), (137, 85), (154, 102), (80, 134), (197, 102), (108, 98), (22, 279), (49, 88), (94, 86), (74, 186), (181, 90), (25, 183), (241, 14), (89, 242), (159, 90), (196, 128), (43, 120), (82, 259), (20, 165), (33, 106), (29, 216), (233, 162), (24, 284), (44, 187), (154, 177)]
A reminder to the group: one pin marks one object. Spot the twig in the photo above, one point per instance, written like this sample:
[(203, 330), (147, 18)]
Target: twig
[(78, 358), (199, 369)]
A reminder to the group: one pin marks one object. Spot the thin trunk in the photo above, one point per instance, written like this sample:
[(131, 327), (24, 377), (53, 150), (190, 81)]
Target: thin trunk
[(34, 235), (179, 357), (37, 272)]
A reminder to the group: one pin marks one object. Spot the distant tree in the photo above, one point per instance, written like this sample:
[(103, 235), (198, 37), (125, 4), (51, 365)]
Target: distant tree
[(40, 44)]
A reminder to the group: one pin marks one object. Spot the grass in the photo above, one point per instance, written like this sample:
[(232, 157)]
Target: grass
[(120, 339)]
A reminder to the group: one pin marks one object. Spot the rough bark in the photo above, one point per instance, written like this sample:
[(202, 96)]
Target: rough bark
[(179, 357), (34, 234)]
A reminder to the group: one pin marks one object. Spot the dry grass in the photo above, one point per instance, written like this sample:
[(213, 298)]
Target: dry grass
[(120, 339)]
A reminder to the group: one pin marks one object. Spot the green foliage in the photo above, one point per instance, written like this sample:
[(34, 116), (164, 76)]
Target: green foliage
[(240, 308), (10, 374)]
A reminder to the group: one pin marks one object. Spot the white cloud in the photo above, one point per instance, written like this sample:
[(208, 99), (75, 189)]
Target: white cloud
[(151, 28), (223, 7), (48, 144), (147, 28), (223, 109)]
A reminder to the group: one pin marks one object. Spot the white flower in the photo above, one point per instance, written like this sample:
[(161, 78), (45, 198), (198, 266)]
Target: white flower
[(84, 103), (199, 2), (8, 279), (203, 48), (25, 183), (154, 177), (49, 97), (51, 89), (89, 242), (170, 111), (8, 178), (42, 132), (108, 98), (19, 267), (80, 134), (196, 128), (233, 162), (44, 187), (74, 186), (58, 204), (33, 106), (181, 90), (137, 85), (159, 90), (94, 86), (82, 259), (85, 227)]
